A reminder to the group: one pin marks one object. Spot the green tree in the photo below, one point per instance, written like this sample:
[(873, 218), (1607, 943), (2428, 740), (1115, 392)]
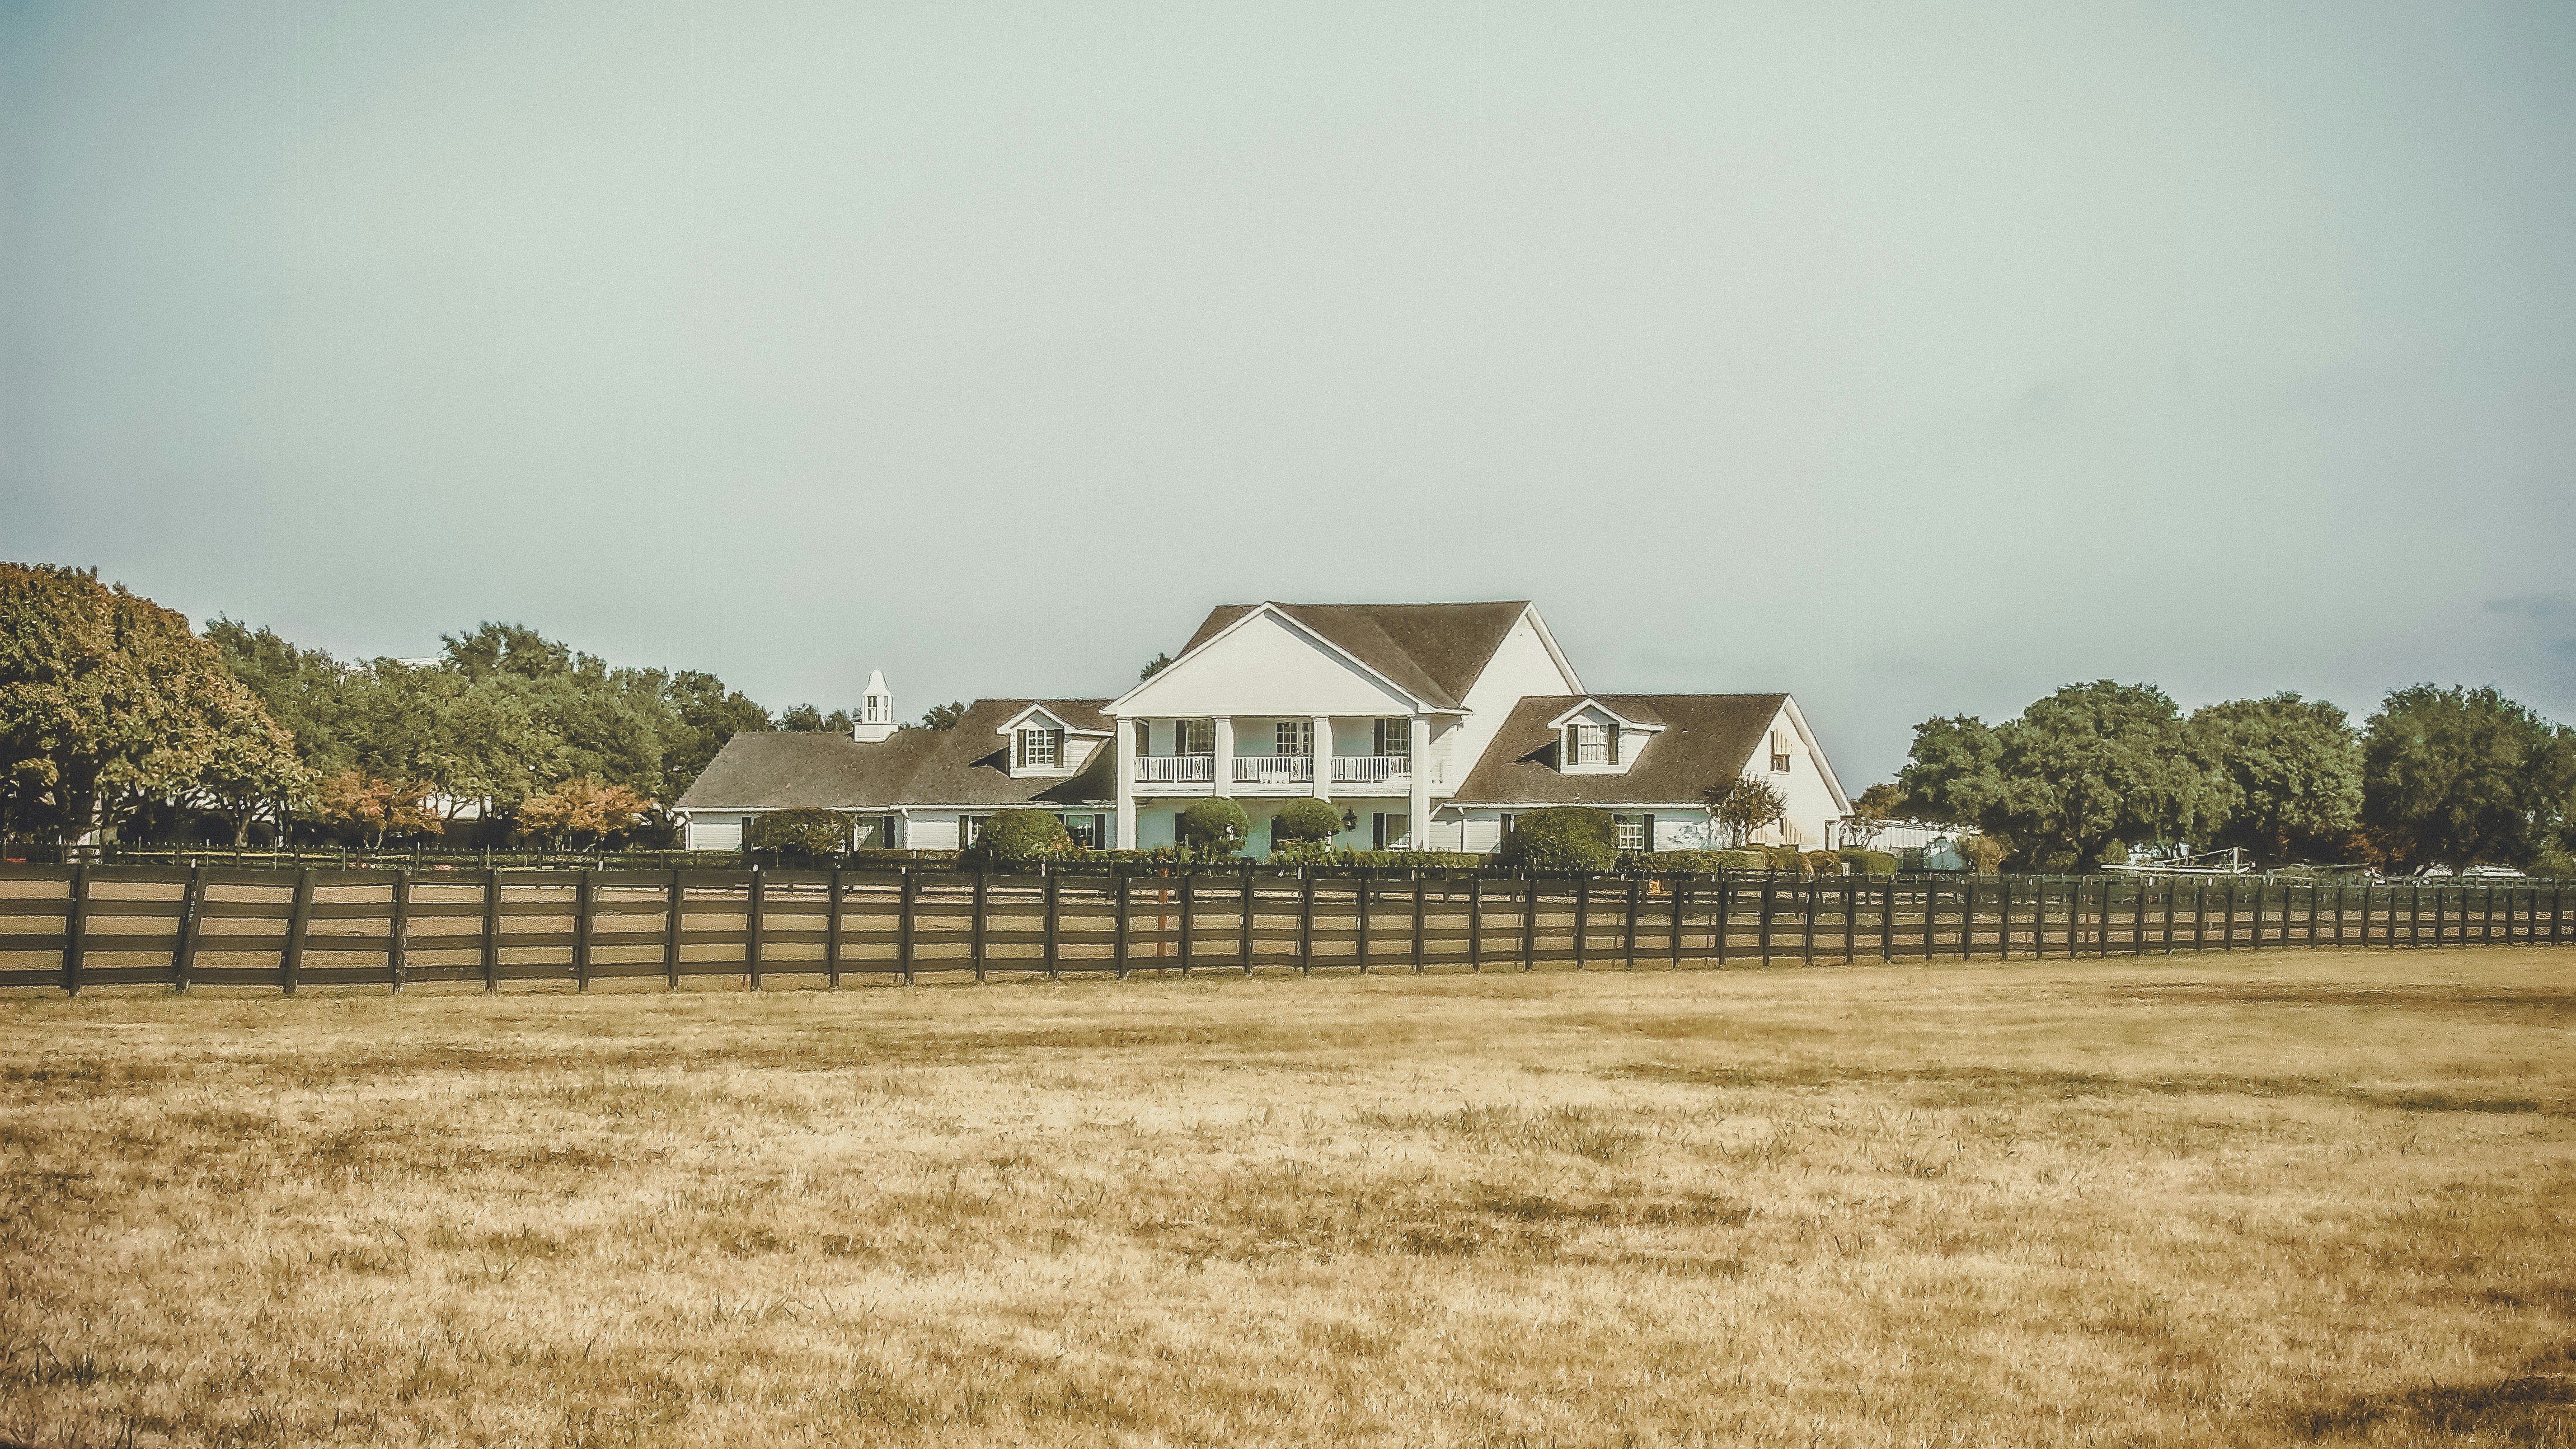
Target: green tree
[(1014, 837), (2463, 776), (943, 716), (2093, 765), (109, 701), (1154, 666), (2283, 774), (1950, 776), (1742, 806), (806, 719), (1562, 837)]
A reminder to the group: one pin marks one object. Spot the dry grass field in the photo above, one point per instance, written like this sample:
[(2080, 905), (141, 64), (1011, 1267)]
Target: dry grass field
[(2263, 1199)]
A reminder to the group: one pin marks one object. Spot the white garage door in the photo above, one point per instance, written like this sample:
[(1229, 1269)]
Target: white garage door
[(715, 832)]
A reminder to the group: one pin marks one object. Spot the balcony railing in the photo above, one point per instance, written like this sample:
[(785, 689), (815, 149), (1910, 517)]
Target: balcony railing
[(1274, 769), (1175, 769), (1371, 769)]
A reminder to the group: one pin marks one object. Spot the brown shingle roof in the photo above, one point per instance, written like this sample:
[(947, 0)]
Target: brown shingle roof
[(1706, 739), (1433, 651), (963, 765)]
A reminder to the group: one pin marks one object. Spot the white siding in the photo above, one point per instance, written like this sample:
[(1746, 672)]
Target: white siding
[(1266, 667), (1521, 666)]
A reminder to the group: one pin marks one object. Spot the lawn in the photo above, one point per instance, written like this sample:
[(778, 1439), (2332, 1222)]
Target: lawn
[(2259, 1199)]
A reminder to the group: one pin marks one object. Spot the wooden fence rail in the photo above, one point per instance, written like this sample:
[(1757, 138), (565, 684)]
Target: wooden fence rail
[(97, 925)]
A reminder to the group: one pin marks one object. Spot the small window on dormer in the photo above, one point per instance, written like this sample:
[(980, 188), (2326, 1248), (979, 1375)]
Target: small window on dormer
[(1040, 749), (1586, 743)]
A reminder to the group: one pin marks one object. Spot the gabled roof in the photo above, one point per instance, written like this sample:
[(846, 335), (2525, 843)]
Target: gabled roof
[(1705, 740), (1644, 723), (1040, 709), (1431, 651), (961, 765)]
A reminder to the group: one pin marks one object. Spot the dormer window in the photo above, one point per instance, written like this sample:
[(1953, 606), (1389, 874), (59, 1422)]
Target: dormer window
[(1589, 744), (1037, 749)]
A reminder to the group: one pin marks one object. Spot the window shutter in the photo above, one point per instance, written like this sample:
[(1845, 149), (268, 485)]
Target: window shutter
[(1612, 757), (1650, 832), (1056, 737), (1381, 739)]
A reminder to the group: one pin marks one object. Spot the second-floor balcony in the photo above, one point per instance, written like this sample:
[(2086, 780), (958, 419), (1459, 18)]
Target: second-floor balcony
[(1371, 769), (1274, 769)]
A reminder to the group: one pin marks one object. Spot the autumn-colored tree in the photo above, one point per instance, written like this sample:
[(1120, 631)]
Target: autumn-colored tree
[(376, 806), (109, 702), (580, 808)]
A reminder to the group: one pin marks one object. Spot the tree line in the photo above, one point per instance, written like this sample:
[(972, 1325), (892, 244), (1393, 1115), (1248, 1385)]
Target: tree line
[(2437, 776), (119, 721)]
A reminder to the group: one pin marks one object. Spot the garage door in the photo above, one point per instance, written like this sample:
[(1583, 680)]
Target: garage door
[(715, 832)]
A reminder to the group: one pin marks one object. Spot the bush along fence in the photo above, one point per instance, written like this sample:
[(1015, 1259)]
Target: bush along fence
[(69, 927)]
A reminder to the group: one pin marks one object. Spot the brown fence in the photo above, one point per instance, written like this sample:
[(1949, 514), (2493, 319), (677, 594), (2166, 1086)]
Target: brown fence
[(98, 925)]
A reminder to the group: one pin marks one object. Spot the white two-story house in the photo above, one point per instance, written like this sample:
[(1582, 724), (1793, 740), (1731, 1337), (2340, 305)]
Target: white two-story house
[(1430, 725)]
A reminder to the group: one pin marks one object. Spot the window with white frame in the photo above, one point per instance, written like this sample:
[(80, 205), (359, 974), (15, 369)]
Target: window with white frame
[(1395, 737), (1628, 832), (1039, 749), (1194, 737), (1779, 753), (1083, 830), (1586, 743), (1296, 737)]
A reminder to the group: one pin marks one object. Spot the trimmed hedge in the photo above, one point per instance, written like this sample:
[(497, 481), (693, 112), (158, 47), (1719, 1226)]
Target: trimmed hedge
[(1303, 822), (1017, 837), (1823, 862), (803, 834), (1870, 862), (1216, 826), (1562, 837)]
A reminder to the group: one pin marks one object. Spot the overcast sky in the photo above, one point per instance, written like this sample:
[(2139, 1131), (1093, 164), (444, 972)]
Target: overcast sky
[(1914, 359)]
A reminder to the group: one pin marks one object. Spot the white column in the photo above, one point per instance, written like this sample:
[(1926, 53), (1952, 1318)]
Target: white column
[(1224, 754), (1420, 806), (1323, 748), (1123, 740)]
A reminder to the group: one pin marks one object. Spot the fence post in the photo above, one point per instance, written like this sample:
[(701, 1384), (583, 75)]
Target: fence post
[(975, 944), (2414, 913), (394, 945), (1725, 898), (1189, 900), (1418, 884), (1529, 921), (1363, 948), (2486, 922), (1762, 930), (491, 930), (1851, 919), (1055, 914), (2557, 909), (1122, 885), (904, 927), (1628, 939), (1677, 892), (1305, 920), (183, 960), (1887, 921), (75, 928), (1582, 918), (832, 931), (290, 962), (1246, 900), (675, 908), (1476, 923), (581, 898), (2138, 918), (1967, 918), (751, 927), (1808, 892)]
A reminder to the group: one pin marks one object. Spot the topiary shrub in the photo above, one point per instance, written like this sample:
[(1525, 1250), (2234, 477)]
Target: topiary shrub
[(1304, 822), (1216, 827), (1017, 837), (801, 834), (1562, 837), (1823, 862), (1870, 862)]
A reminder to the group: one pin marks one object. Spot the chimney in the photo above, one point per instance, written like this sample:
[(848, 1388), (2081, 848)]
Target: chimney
[(876, 711)]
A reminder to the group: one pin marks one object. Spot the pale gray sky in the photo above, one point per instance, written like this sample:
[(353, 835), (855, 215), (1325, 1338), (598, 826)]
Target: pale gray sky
[(1915, 359)]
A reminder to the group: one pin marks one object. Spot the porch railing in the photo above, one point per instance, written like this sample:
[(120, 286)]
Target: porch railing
[(1274, 769), (1175, 769), (1371, 769)]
